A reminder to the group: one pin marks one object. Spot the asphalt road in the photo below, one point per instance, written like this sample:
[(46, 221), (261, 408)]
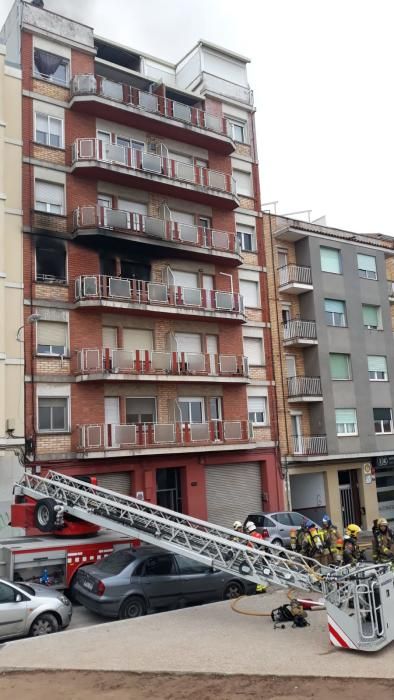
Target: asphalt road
[(84, 618)]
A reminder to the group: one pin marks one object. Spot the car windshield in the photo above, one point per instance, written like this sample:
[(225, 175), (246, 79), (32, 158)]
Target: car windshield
[(26, 588), (116, 562)]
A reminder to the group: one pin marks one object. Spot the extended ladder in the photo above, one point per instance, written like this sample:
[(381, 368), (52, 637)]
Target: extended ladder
[(360, 602)]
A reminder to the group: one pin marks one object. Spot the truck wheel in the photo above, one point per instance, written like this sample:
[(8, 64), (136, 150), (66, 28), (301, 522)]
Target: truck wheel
[(132, 607), (44, 624), (45, 515)]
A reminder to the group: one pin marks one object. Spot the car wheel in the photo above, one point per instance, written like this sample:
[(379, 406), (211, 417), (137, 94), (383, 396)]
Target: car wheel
[(44, 624), (234, 589), (132, 607), (45, 514), (277, 542)]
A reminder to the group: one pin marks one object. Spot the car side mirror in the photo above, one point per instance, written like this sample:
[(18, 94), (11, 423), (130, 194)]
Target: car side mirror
[(18, 598)]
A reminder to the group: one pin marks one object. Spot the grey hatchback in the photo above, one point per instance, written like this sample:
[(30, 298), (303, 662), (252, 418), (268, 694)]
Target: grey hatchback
[(276, 527), (131, 582)]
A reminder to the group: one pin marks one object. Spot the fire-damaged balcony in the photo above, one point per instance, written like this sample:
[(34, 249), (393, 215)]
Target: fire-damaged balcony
[(295, 279), (157, 298), (304, 389), (132, 167), (119, 364), (125, 104), (299, 333), (311, 445), (103, 440), (183, 239)]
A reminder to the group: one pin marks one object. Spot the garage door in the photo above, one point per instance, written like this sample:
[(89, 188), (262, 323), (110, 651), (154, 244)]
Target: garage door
[(233, 491), (118, 481)]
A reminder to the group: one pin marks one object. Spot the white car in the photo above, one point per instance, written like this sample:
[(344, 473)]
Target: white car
[(28, 609)]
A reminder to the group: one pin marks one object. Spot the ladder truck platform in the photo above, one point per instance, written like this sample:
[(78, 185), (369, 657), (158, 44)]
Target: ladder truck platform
[(359, 599)]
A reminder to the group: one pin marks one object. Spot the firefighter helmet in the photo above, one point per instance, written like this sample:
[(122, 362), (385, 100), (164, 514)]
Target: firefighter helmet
[(326, 520), (237, 525), (353, 530), (250, 526), (382, 522)]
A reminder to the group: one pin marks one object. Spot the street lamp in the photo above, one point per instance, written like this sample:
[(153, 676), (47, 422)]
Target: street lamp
[(33, 318)]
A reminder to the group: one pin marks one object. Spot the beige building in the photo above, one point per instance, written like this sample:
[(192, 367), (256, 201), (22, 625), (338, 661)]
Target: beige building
[(11, 286)]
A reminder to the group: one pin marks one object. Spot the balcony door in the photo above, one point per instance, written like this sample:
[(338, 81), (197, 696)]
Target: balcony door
[(208, 285), (111, 417), (212, 350), (137, 339), (188, 347), (187, 230), (168, 488), (136, 212), (192, 409), (296, 427), (291, 366)]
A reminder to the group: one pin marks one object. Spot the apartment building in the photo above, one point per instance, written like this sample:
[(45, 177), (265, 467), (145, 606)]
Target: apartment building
[(150, 365), (331, 311), (11, 285)]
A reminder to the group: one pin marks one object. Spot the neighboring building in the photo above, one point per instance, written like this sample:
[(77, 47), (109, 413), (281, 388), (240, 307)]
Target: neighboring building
[(334, 367), (11, 286), (142, 240)]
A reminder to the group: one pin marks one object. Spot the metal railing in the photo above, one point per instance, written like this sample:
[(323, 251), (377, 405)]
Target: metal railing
[(84, 149), (304, 386), (89, 84), (227, 88), (311, 445), (289, 274), (103, 436), (90, 287), (165, 229), (296, 328), (123, 361)]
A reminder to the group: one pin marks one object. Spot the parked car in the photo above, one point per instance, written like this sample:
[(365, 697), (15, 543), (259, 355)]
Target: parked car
[(31, 610), (276, 527), (131, 582)]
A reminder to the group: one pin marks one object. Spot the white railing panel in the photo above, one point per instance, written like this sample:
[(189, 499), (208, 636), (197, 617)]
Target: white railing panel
[(151, 162), (93, 436), (161, 361), (217, 180), (124, 434), (119, 288), (122, 360), (184, 171), (148, 101), (199, 431), (157, 293), (220, 240), (155, 227), (228, 364), (182, 111), (188, 233), (224, 301), (164, 433), (115, 218), (112, 90), (232, 430), (191, 297)]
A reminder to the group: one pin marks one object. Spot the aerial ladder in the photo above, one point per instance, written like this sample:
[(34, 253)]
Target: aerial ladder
[(359, 600)]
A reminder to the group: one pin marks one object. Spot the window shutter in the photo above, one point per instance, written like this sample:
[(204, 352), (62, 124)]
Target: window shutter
[(49, 192), (243, 182), (330, 260), (366, 262), (370, 315), (334, 306), (339, 366), (110, 337), (52, 333), (256, 404), (253, 349), (345, 415), (137, 339), (377, 363), (42, 122), (249, 291)]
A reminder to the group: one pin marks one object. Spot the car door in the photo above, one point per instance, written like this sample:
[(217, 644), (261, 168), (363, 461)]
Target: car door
[(160, 581), (284, 526), (13, 611), (199, 582)]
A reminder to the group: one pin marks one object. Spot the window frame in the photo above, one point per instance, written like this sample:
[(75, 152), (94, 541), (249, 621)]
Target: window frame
[(334, 314), (382, 421), (49, 117), (346, 433), (349, 366), (264, 412), (258, 298), (340, 266), (361, 269), (50, 78), (379, 326), (241, 239), (133, 398), (261, 342), (193, 399), (374, 371), (55, 280), (51, 353), (48, 205), (237, 123), (52, 430)]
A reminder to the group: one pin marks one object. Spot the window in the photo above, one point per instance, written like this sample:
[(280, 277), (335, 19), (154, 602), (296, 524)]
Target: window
[(383, 420), (282, 258), (50, 262), (372, 318), (160, 566), (51, 67), (246, 237), (253, 349), (250, 292), (51, 338), (140, 410), (243, 183), (192, 410), (377, 368), (340, 366), (237, 131), (257, 409), (52, 414), (49, 197), (346, 421), (283, 519), (49, 130), (330, 259), (367, 266), (335, 312), (188, 566), (7, 593)]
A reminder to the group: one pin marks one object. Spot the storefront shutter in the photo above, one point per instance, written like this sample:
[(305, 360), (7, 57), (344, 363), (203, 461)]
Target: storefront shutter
[(116, 481), (233, 491)]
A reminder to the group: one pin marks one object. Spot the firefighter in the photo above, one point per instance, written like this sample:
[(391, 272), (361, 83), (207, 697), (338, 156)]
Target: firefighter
[(238, 527), (351, 550), (382, 542), (250, 529), (329, 535), (297, 536), (312, 544)]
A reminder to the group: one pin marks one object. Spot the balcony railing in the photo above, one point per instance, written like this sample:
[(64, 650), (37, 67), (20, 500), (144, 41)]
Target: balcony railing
[(294, 274), (152, 163), (149, 435), (312, 445), (164, 229), (297, 329), (227, 88), (121, 361), (304, 386), (148, 102), (118, 289)]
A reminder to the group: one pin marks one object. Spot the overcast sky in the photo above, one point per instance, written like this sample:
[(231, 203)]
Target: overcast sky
[(322, 74)]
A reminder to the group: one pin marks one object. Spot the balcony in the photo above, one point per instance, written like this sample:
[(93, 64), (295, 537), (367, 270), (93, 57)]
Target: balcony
[(149, 438), (304, 389), (204, 243), (149, 365), (128, 105), (295, 279), (314, 445), (157, 298), (299, 333), (135, 168)]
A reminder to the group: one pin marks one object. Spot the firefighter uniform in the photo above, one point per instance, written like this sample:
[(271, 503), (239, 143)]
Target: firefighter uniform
[(311, 543), (382, 542), (329, 535), (351, 550)]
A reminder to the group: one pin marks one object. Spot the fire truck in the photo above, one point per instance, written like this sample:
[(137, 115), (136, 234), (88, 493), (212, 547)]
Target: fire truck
[(359, 600)]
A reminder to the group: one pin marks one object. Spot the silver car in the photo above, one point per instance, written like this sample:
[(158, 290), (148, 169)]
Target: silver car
[(28, 609), (276, 527)]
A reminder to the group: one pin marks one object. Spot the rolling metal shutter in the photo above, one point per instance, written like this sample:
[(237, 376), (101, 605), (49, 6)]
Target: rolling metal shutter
[(117, 481), (233, 491)]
